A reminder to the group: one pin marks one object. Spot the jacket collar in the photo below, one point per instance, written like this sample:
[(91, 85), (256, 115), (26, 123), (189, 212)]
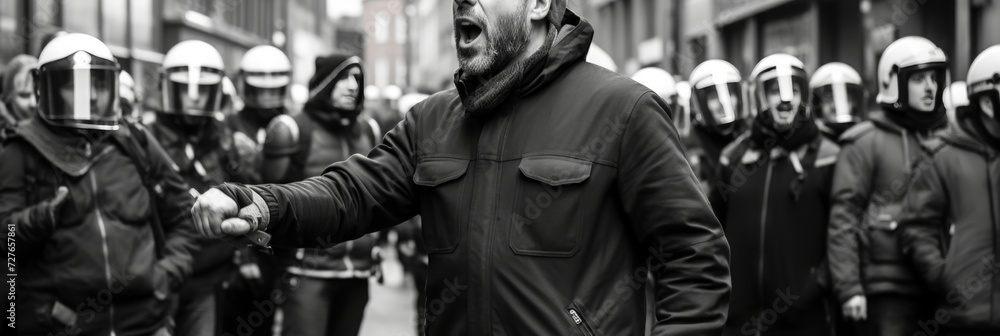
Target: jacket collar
[(965, 135), (565, 48)]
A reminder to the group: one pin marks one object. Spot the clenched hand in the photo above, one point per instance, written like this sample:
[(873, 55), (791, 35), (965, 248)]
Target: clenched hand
[(216, 216)]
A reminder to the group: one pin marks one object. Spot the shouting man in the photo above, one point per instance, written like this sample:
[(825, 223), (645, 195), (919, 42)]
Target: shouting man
[(549, 189)]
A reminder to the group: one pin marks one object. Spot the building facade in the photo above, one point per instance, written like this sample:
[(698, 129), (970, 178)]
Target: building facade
[(139, 32), (686, 32)]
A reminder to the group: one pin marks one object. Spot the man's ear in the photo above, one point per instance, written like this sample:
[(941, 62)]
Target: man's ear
[(539, 9)]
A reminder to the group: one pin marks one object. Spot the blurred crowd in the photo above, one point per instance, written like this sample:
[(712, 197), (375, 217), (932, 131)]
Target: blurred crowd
[(843, 218)]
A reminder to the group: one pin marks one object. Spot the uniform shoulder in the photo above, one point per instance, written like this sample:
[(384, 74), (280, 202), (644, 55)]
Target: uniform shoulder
[(827, 153), (857, 132), (282, 135)]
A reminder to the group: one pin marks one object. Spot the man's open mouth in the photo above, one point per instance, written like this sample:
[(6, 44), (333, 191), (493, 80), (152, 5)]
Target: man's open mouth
[(468, 31)]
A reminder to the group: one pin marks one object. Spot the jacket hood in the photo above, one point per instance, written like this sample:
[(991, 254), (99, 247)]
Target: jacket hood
[(965, 134), (880, 121), (569, 48), (329, 71), (72, 154)]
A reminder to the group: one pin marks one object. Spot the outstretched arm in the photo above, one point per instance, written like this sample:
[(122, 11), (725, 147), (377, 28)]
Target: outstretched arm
[(353, 197)]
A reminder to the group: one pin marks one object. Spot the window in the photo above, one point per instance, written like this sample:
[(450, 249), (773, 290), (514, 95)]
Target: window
[(401, 29), (113, 25), (143, 25), (381, 28), (11, 42), (401, 72), (381, 72), (81, 16)]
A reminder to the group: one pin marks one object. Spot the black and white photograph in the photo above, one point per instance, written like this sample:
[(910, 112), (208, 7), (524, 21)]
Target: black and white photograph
[(500, 167)]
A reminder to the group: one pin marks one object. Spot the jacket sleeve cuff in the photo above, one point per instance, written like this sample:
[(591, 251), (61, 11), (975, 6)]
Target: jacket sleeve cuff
[(849, 293), (268, 205)]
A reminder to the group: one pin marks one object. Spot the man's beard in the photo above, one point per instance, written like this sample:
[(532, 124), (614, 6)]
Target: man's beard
[(504, 42)]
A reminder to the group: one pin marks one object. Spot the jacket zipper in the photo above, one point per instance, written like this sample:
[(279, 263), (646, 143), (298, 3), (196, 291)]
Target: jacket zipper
[(104, 248), (763, 231), (489, 236), (577, 317)]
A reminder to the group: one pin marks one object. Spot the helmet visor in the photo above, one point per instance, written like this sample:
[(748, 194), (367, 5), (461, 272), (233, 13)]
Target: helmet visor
[(838, 103), (195, 91), (989, 89), (81, 92), (267, 80), (781, 87), (719, 104)]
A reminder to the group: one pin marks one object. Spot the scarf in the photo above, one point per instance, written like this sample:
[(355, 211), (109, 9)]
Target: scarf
[(72, 153), (917, 121), (481, 96), (763, 134)]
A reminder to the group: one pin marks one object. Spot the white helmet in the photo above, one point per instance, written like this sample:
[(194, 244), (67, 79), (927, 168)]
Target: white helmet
[(658, 80), (900, 60), (77, 83), (266, 73), (841, 85), (191, 79), (786, 73), (984, 80), (129, 95), (955, 95), (717, 95)]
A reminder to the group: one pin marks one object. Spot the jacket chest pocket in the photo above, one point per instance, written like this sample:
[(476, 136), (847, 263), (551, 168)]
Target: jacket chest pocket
[(546, 220), (443, 202), (883, 244)]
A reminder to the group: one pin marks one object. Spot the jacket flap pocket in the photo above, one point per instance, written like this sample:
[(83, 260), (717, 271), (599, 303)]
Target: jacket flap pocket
[(555, 170), (434, 172)]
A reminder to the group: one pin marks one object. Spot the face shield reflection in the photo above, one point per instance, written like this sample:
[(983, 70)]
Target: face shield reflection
[(838, 103), (720, 103), (82, 96), (193, 91)]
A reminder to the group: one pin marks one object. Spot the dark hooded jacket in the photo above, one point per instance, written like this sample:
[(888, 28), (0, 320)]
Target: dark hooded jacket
[(956, 193), (311, 141), (773, 203), (91, 267), (703, 147), (541, 214), (868, 187)]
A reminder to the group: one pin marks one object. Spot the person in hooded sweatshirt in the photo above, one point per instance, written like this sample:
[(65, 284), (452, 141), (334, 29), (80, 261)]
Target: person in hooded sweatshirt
[(101, 215), (549, 188), (328, 287), (872, 282), (952, 212), (773, 198)]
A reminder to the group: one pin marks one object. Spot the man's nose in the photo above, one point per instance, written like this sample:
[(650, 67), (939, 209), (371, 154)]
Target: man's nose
[(929, 84)]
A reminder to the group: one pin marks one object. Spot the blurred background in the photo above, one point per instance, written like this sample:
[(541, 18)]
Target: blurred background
[(407, 44), (407, 47)]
